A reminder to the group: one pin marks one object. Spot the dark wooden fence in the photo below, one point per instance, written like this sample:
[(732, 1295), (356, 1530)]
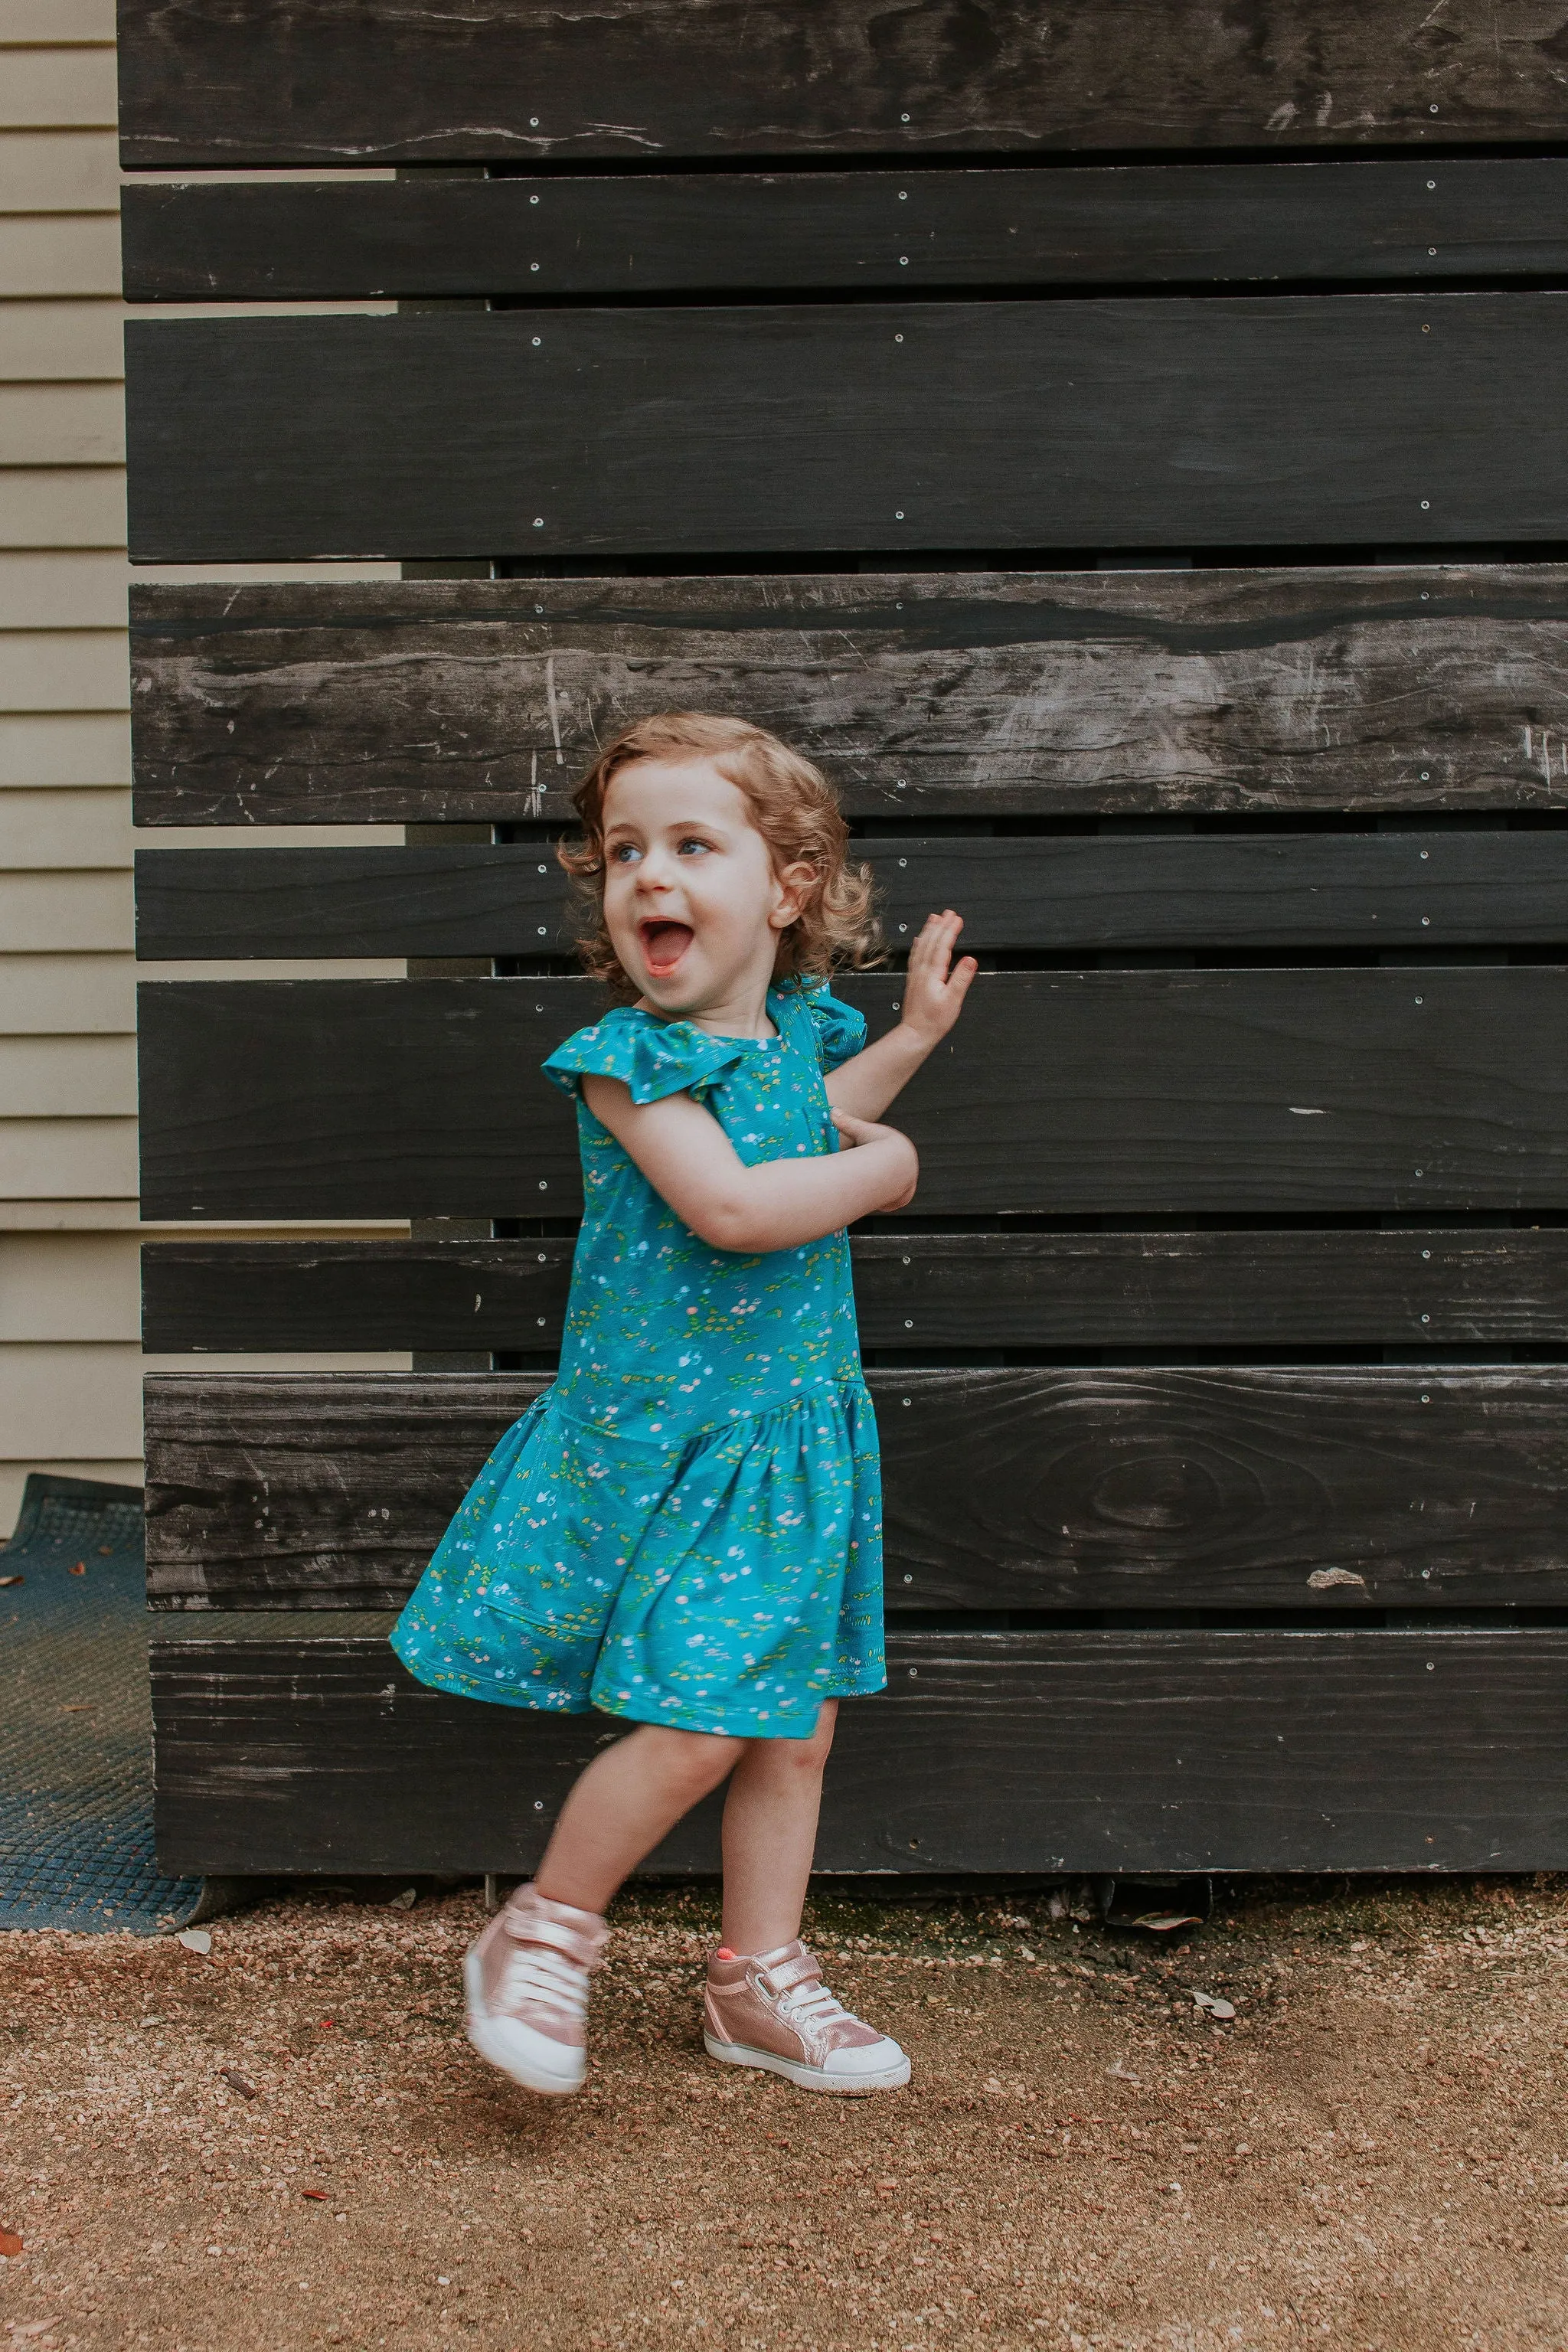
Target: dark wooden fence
[(1124, 451)]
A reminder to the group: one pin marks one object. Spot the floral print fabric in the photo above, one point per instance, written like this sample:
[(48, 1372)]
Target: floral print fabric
[(686, 1528)]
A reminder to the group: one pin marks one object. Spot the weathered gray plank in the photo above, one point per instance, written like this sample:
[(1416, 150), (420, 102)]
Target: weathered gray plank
[(981, 693), (791, 428), (1062, 896), (1067, 1751), (345, 81), (1426, 1288), (1137, 1093), (1042, 1489), (630, 234)]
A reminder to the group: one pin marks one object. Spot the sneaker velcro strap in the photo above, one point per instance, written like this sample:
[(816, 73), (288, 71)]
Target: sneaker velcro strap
[(789, 1973), (532, 1927)]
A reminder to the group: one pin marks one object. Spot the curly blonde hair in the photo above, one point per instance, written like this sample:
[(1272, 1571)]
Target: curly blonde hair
[(792, 807)]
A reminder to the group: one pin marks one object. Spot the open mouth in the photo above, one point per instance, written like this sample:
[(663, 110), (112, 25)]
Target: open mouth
[(663, 945)]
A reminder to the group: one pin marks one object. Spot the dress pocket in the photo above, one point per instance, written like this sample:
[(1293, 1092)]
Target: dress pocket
[(566, 1602), (554, 1544)]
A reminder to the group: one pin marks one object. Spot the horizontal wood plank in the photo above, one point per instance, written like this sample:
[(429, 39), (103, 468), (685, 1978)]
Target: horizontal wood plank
[(1215, 1488), (636, 234), (799, 427), (976, 693), (1105, 1093), (1057, 894), (356, 82), (1428, 1287), (1095, 1752)]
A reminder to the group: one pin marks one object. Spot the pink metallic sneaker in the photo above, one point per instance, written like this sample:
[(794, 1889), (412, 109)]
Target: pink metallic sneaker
[(526, 1978), (772, 2010)]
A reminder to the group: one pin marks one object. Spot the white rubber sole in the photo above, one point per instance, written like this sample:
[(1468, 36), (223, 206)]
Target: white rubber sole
[(808, 2078), (530, 2059)]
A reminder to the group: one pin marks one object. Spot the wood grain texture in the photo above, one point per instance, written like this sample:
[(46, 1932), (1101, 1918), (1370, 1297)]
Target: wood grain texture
[(464, 900), (1120, 1489), (634, 234), (345, 81), (856, 427), (980, 693), (1139, 1092), (915, 1291), (1057, 894), (1070, 1752)]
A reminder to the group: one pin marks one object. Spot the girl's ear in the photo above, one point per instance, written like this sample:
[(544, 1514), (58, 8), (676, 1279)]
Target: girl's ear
[(797, 884)]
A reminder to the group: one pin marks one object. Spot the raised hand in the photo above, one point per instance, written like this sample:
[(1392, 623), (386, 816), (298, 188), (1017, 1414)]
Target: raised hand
[(932, 998), (934, 986)]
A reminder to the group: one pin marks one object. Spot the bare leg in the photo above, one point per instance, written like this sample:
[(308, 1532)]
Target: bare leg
[(770, 1836), (626, 1799)]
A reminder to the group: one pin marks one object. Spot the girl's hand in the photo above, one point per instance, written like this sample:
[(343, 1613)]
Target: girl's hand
[(934, 987), (856, 1133), (934, 992)]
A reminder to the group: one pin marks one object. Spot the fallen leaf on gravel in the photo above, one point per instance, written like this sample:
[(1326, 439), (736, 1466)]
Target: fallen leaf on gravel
[(317, 2196), (1160, 1923), (194, 1939), (77, 1706), (11, 1579), (1211, 2007), (80, 1569), (10, 2245), (232, 2075)]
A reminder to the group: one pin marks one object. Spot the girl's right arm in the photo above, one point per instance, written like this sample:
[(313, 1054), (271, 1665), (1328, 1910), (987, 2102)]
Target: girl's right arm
[(690, 1163)]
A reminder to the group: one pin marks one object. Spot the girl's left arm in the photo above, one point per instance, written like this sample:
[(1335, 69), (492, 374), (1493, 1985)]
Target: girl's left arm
[(934, 991)]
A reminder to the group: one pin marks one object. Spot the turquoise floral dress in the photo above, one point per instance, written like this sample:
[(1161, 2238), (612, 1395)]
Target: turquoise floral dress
[(686, 1528)]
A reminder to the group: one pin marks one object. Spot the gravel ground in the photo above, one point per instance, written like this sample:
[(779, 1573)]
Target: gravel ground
[(288, 2143)]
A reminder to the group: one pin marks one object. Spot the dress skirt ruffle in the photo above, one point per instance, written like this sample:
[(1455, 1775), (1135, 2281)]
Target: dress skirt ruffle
[(727, 1584)]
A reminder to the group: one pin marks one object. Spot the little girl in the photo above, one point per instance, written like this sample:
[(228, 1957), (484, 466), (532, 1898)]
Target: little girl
[(685, 1531)]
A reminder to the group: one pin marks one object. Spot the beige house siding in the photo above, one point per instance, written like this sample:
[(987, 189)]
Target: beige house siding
[(69, 1360)]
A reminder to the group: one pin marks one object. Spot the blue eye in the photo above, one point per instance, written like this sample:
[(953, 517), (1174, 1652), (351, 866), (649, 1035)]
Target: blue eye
[(692, 842), (623, 853)]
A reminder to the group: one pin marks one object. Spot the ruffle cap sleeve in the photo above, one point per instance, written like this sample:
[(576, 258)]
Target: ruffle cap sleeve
[(654, 1058), (840, 1031)]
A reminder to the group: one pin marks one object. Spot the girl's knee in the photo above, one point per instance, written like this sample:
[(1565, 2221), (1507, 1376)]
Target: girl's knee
[(701, 1759), (798, 1756), (821, 1739)]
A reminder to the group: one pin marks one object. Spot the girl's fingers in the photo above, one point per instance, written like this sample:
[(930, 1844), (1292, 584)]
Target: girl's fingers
[(931, 953), (934, 946), (856, 1129)]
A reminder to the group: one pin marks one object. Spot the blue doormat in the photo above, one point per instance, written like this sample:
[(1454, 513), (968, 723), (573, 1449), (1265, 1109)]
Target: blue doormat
[(76, 1724)]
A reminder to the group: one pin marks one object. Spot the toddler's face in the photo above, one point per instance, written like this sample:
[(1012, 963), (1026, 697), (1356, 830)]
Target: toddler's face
[(692, 904)]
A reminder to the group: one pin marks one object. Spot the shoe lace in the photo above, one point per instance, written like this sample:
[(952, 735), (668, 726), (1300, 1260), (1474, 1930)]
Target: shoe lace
[(535, 1973), (814, 2005)]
